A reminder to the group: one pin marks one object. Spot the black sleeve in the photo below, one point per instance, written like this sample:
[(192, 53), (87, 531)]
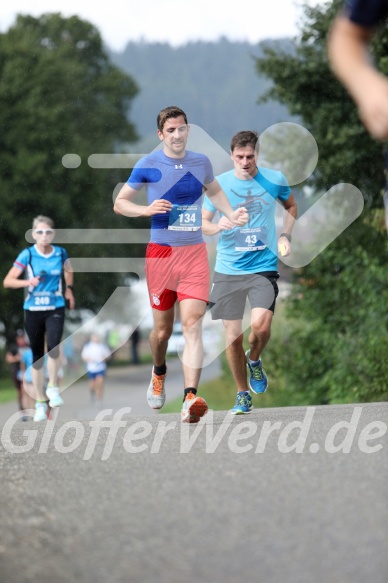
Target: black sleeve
[(367, 12)]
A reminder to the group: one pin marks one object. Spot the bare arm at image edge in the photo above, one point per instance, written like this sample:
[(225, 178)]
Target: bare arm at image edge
[(348, 52)]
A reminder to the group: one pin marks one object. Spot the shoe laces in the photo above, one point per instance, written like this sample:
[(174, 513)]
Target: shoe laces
[(242, 399), (190, 396), (257, 372), (158, 384)]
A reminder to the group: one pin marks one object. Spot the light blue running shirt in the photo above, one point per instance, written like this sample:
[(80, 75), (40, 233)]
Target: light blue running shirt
[(252, 248), (47, 295)]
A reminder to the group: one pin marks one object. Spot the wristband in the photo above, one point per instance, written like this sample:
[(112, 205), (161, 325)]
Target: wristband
[(70, 287), (287, 236)]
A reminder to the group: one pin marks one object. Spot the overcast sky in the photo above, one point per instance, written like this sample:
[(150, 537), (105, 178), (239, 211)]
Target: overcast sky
[(173, 21)]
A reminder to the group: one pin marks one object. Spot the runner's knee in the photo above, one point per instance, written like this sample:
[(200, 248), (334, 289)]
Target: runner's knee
[(262, 332), (53, 352)]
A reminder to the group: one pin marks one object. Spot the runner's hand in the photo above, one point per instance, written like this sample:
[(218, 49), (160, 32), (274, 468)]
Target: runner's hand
[(33, 281), (284, 246), (160, 206), (240, 217), (69, 296)]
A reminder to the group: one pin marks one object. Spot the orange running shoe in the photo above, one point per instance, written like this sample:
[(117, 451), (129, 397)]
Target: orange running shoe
[(156, 394), (193, 408)]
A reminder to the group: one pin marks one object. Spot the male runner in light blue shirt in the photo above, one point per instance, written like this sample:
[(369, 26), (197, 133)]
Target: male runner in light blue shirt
[(247, 261)]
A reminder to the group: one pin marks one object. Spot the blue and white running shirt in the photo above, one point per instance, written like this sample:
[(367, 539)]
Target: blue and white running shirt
[(47, 295)]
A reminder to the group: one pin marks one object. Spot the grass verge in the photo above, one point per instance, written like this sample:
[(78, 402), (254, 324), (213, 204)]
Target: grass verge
[(7, 391)]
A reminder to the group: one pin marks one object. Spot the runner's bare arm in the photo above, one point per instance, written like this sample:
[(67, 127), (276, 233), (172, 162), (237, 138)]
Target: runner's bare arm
[(124, 205), (210, 228), (68, 274), (218, 197), (289, 216), (12, 279), (349, 58)]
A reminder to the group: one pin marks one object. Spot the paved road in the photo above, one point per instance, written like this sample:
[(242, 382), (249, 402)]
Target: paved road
[(141, 503)]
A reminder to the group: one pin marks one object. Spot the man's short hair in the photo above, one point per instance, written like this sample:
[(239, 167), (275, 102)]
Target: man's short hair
[(166, 113), (245, 138)]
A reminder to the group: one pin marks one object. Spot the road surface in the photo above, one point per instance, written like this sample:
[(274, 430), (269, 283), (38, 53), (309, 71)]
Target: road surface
[(288, 495)]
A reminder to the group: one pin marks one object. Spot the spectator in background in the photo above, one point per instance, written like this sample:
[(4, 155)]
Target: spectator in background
[(113, 340), (27, 383), (95, 353), (13, 357), (69, 358), (135, 339)]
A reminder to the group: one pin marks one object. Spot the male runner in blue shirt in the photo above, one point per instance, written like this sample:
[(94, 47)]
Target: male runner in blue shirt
[(176, 259)]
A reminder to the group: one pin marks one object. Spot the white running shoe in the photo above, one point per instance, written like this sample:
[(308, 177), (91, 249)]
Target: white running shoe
[(55, 399), (193, 408), (40, 412), (156, 394)]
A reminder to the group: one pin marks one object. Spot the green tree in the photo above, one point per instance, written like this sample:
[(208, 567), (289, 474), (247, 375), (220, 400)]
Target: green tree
[(59, 95), (335, 347)]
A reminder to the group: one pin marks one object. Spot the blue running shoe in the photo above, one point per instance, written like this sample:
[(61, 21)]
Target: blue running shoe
[(258, 382), (243, 404)]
